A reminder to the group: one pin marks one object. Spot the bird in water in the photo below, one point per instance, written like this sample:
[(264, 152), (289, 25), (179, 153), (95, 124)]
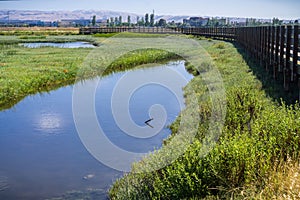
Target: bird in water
[(147, 122)]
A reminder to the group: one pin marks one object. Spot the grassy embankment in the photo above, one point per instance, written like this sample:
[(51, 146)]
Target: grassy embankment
[(256, 157), (25, 71)]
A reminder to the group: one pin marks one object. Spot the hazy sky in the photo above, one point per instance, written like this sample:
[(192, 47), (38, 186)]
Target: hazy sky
[(287, 9)]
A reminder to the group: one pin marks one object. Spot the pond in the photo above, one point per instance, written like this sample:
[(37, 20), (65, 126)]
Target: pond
[(58, 45), (42, 155)]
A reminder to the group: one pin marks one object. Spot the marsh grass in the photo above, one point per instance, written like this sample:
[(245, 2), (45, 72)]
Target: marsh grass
[(140, 57), (37, 31), (26, 71)]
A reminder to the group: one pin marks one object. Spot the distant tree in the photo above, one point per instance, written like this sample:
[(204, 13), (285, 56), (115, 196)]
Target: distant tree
[(162, 22), (129, 20), (107, 22), (116, 21), (275, 21), (94, 20), (142, 22), (137, 19), (120, 20), (147, 19), (171, 24), (152, 20), (112, 22)]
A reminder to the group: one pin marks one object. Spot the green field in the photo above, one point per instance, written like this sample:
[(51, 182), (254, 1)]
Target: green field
[(256, 157)]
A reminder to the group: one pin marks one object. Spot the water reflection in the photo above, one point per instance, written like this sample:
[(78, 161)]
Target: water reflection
[(49, 123), (58, 45)]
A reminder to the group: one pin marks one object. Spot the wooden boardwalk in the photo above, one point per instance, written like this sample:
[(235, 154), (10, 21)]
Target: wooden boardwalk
[(153, 30), (275, 47)]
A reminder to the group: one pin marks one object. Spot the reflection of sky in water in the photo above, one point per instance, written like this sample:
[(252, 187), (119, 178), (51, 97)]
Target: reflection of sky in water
[(58, 45), (49, 123)]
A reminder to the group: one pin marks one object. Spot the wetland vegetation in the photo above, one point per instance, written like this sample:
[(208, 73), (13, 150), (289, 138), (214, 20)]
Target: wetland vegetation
[(25, 71), (256, 157)]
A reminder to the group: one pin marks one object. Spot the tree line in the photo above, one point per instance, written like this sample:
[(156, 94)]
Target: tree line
[(148, 20)]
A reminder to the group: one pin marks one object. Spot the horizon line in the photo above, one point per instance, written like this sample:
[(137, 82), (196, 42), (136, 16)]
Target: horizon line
[(179, 15)]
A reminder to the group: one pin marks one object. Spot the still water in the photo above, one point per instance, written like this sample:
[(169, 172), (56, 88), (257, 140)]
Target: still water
[(58, 45), (42, 155)]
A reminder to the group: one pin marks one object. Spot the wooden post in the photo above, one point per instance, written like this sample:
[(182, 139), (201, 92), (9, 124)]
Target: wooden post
[(272, 54), (263, 45), (277, 43), (287, 69), (282, 44), (267, 53), (295, 53)]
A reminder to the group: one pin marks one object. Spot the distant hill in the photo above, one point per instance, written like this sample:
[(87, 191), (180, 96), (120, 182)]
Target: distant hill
[(77, 14), (51, 16), (59, 15)]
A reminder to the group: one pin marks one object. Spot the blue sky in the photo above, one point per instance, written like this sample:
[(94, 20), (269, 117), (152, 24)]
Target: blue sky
[(283, 9)]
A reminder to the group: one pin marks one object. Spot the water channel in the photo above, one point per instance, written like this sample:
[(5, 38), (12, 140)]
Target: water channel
[(41, 153), (58, 44)]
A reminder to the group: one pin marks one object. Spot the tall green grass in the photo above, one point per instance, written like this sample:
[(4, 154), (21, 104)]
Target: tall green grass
[(25, 71), (259, 133)]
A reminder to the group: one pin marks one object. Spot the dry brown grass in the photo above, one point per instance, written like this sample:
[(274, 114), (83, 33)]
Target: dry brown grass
[(37, 30), (284, 182)]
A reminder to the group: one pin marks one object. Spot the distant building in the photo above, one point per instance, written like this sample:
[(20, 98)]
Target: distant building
[(74, 22), (102, 23), (195, 22), (22, 23)]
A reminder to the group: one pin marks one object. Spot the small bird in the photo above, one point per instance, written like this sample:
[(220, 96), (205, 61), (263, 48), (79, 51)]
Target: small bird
[(147, 122)]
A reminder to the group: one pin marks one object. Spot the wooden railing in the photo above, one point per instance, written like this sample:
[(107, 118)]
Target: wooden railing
[(222, 33), (159, 30), (275, 47)]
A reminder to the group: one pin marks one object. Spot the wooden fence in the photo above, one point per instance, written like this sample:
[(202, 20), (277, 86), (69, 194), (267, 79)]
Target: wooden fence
[(221, 33), (275, 47), (158, 30)]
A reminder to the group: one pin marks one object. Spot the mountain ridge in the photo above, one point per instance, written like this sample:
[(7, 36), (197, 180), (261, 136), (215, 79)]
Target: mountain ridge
[(58, 15)]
